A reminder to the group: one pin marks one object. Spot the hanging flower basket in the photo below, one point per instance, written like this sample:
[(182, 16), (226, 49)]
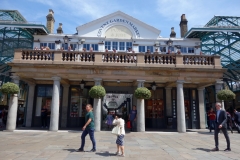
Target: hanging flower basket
[(10, 88), (142, 93), (97, 92), (226, 95)]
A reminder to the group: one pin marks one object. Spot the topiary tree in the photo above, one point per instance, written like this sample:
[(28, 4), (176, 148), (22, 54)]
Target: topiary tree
[(226, 95), (142, 93), (97, 92), (10, 88)]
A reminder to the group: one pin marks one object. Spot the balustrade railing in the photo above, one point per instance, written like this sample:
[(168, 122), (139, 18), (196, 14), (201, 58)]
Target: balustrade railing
[(41, 55), (119, 58), (102, 58), (198, 60), (159, 59)]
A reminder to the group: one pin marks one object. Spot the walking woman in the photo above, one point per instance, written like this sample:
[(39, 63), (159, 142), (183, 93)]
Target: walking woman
[(120, 138)]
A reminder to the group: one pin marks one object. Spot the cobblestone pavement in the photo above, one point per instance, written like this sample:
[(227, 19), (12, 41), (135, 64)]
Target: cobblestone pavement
[(40, 145)]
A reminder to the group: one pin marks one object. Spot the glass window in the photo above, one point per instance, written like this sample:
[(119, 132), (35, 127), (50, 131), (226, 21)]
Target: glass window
[(184, 49), (108, 45), (115, 45), (73, 46), (95, 47), (86, 46), (43, 44), (141, 49), (51, 45), (122, 46), (150, 48), (65, 46), (171, 48), (128, 45), (190, 50), (163, 49)]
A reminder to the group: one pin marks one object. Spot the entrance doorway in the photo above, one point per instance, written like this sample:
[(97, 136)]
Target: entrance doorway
[(115, 104)]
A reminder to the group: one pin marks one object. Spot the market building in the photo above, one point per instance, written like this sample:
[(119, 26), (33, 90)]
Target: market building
[(120, 53)]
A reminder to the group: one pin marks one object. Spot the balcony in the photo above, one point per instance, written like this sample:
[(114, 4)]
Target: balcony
[(116, 59)]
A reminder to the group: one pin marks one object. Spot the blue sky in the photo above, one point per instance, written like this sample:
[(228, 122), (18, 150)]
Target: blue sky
[(161, 14)]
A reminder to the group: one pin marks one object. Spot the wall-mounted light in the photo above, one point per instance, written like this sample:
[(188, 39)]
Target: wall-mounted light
[(82, 41), (66, 39), (154, 86), (157, 44), (169, 42), (82, 83), (118, 81)]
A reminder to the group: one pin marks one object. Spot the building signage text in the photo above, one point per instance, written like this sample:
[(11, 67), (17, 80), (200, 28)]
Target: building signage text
[(118, 20)]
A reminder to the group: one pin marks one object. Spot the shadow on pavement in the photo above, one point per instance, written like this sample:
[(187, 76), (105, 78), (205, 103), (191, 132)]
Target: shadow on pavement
[(71, 150), (203, 149), (105, 154)]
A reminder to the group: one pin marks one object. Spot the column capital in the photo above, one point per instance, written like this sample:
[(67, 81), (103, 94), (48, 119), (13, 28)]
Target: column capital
[(65, 85), (201, 88), (31, 84), (55, 78), (180, 81), (140, 83), (97, 81), (15, 77), (219, 81), (168, 88)]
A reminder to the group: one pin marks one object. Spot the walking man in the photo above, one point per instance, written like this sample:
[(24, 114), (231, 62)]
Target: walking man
[(221, 124), (88, 128)]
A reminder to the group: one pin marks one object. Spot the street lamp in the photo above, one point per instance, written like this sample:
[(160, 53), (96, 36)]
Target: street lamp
[(154, 86), (82, 83), (66, 39), (169, 42)]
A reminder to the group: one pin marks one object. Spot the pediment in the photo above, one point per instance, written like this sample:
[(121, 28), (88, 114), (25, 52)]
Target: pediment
[(118, 25)]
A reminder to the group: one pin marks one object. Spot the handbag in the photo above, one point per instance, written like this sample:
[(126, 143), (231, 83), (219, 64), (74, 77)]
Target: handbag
[(116, 130)]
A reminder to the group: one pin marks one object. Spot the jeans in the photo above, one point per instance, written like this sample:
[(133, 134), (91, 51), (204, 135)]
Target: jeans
[(44, 121), (211, 123), (132, 125), (91, 135)]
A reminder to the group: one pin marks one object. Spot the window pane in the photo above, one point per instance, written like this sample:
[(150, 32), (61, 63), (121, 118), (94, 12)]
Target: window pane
[(65, 46), (73, 46), (141, 49), (171, 48), (43, 44), (108, 45), (115, 45), (184, 49), (163, 49), (122, 46), (95, 47), (190, 50), (51, 45), (150, 48), (86, 46), (128, 45)]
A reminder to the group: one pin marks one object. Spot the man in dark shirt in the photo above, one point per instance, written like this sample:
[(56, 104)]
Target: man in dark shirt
[(237, 116), (221, 124), (88, 128), (133, 117)]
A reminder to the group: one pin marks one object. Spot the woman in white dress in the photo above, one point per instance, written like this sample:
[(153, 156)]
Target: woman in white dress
[(120, 138)]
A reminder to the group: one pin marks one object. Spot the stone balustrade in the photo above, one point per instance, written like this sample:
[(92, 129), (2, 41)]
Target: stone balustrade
[(120, 58)]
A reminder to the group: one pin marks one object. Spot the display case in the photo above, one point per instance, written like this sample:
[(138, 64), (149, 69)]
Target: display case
[(154, 108)]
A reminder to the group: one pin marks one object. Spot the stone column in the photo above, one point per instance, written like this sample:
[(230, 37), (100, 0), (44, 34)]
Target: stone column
[(13, 107), (202, 114), (218, 87), (65, 105), (97, 108), (30, 104), (169, 101), (54, 122), (140, 110), (181, 122)]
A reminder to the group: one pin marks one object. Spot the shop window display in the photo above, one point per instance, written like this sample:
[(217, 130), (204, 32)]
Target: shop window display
[(155, 108)]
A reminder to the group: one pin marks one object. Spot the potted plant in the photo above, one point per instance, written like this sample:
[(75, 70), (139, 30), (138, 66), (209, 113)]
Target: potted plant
[(11, 89), (97, 92), (141, 94), (226, 95)]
